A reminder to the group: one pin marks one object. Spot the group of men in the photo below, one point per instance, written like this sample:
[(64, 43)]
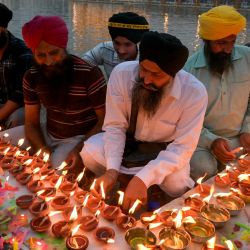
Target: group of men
[(201, 112)]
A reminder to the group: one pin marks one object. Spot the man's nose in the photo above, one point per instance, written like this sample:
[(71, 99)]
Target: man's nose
[(48, 60)]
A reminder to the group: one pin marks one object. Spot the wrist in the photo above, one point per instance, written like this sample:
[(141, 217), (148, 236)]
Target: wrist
[(112, 173)]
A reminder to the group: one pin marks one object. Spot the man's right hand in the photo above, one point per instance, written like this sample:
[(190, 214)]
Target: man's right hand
[(221, 150), (109, 179)]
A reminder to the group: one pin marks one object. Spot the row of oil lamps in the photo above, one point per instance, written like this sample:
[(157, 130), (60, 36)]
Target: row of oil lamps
[(54, 192)]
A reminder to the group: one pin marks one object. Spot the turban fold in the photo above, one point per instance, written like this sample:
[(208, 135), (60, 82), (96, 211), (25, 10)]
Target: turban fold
[(165, 50), (129, 25), (51, 29), (220, 22), (5, 15)]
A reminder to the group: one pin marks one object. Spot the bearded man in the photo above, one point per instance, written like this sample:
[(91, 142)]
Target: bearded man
[(223, 68), (72, 91), (15, 59), (171, 104)]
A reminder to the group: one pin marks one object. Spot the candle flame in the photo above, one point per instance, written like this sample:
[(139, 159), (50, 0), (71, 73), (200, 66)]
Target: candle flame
[(132, 209), (6, 150), (36, 170), (185, 209), (85, 200), (7, 178), (75, 229), (38, 152), (72, 193), (243, 156), (62, 166), (97, 213), (20, 142), (229, 244), (43, 177), (235, 190), (102, 190), (149, 218), (47, 199), (121, 197), (45, 157), (80, 176), (222, 194), (52, 213), (211, 243), (40, 192), (28, 148), (228, 168), (59, 181), (18, 152), (39, 243), (177, 220), (207, 199), (111, 241), (92, 187), (242, 177), (156, 211), (154, 225), (221, 175), (64, 172), (196, 195), (28, 162), (200, 179), (74, 214), (189, 219)]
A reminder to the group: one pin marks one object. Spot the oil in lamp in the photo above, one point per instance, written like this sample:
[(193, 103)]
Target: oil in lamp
[(60, 202), (149, 217), (194, 202), (61, 229), (110, 212), (105, 234), (222, 180), (35, 185), (89, 222), (24, 201), (40, 224), (167, 217), (39, 208), (67, 187), (24, 178)]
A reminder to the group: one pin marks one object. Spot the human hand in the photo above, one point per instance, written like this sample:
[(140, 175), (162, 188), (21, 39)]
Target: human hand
[(74, 160), (136, 189), (245, 142), (222, 150)]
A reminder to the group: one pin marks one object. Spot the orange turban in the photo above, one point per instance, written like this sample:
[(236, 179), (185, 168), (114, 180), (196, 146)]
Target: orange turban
[(220, 22), (51, 29)]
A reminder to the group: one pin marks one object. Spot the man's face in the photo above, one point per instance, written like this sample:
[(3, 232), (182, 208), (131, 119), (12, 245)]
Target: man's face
[(152, 75), (224, 45), (125, 49)]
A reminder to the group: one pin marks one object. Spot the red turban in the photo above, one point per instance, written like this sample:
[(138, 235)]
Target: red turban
[(51, 29)]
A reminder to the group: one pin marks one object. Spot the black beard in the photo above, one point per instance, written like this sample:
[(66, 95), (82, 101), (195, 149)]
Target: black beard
[(217, 62), (55, 80), (3, 39), (148, 98)]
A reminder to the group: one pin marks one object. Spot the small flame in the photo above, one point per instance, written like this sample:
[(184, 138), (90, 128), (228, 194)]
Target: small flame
[(97, 213), (74, 214), (59, 181), (121, 197), (235, 190), (243, 156), (229, 244), (47, 199), (196, 195), (221, 175), (207, 199), (185, 209), (111, 241), (18, 152), (132, 209), (75, 229), (80, 176), (242, 177), (39, 243), (211, 243), (189, 219), (6, 135), (157, 211), (28, 162), (85, 200), (92, 187), (40, 192), (177, 220), (142, 247), (7, 178), (38, 152), (64, 172), (222, 194), (154, 225), (201, 178), (228, 168), (52, 213), (102, 190), (43, 177), (6, 150), (28, 148), (45, 157), (20, 142), (62, 166), (36, 170), (149, 218), (72, 193)]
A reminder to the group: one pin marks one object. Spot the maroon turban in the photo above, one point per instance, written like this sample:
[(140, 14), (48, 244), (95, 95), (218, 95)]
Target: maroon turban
[(51, 29)]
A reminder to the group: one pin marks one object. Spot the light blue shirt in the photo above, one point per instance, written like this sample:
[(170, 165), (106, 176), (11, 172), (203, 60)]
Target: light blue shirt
[(228, 111)]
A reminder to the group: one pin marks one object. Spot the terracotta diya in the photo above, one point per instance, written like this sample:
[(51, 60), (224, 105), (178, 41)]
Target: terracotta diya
[(53, 180), (222, 180), (105, 234), (167, 216), (17, 169), (40, 224), (68, 211), (125, 221), (47, 173), (68, 187), (149, 217), (61, 229), (88, 222), (203, 189), (39, 208), (194, 203), (24, 201), (79, 196), (77, 242), (60, 202), (110, 212), (24, 178), (48, 192), (7, 162), (35, 185), (94, 204)]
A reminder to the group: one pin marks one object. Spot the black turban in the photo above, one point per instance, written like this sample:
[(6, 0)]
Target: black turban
[(165, 50), (5, 15), (129, 25)]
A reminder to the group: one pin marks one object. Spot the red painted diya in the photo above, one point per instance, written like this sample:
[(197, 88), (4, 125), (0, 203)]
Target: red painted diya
[(166, 217), (194, 202), (24, 201), (17, 169), (7, 162), (125, 221), (40, 224), (88, 222), (105, 234), (24, 178), (39, 208), (35, 185), (110, 212), (48, 192), (79, 196), (60, 202), (61, 229), (68, 187), (68, 211), (149, 217), (203, 189), (94, 204), (222, 180), (77, 242)]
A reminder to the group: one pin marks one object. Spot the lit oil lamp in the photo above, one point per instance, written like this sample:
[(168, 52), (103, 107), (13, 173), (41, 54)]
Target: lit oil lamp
[(194, 202), (89, 222), (17, 169), (233, 173), (24, 201), (7, 162), (61, 229), (110, 212), (48, 173), (40, 224), (35, 185), (76, 241), (53, 180), (24, 178), (202, 189), (79, 196), (222, 180), (95, 204), (149, 217), (139, 236), (199, 229), (105, 234), (60, 202), (47, 192), (67, 212), (188, 211), (67, 187), (231, 202), (210, 245), (39, 208), (167, 217)]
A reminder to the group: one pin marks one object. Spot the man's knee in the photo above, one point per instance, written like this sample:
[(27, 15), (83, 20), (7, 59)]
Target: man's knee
[(203, 162), (15, 119)]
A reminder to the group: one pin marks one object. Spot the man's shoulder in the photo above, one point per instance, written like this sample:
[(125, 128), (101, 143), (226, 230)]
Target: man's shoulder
[(83, 65), (17, 45)]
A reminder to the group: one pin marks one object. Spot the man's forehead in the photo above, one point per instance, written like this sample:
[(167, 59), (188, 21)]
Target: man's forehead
[(44, 46), (226, 39)]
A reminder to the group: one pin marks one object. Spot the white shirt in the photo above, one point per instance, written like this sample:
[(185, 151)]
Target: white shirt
[(179, 119)]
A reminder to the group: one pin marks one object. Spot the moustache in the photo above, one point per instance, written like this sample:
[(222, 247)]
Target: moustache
[(150, 86)]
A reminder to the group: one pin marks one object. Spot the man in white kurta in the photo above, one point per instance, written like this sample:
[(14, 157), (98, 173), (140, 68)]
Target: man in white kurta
[(177, 118)]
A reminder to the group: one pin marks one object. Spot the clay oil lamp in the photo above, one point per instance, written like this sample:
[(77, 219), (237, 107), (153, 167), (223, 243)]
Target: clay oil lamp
[(95, 204), (17, 169), (7, 162), (68, 211), (24, 178), (124, 221), (231, 202), (194, 202), (243, 163), (149, 217), (27, 160), (24, 201), (40, 224), (167, 216), (105, 234), (202, 189), (71, 177), (211, 245), (47, 173), (53, 180), (11, 152), (188, 211), (233, 173), (110, 212), (199, 229), (244, 184), (60, 202), (39, 208), (76, 241), (35, 185), (89, 222), (140, 236), (61, 229), (222, 180), (79, 196), (47, 192), (67, 187)]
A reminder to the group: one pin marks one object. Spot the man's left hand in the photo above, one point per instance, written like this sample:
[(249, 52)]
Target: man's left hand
[(75, 161), (245, 142), (136, 189)]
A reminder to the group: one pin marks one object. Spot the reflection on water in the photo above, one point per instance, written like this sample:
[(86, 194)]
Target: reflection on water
[(87, 22)]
